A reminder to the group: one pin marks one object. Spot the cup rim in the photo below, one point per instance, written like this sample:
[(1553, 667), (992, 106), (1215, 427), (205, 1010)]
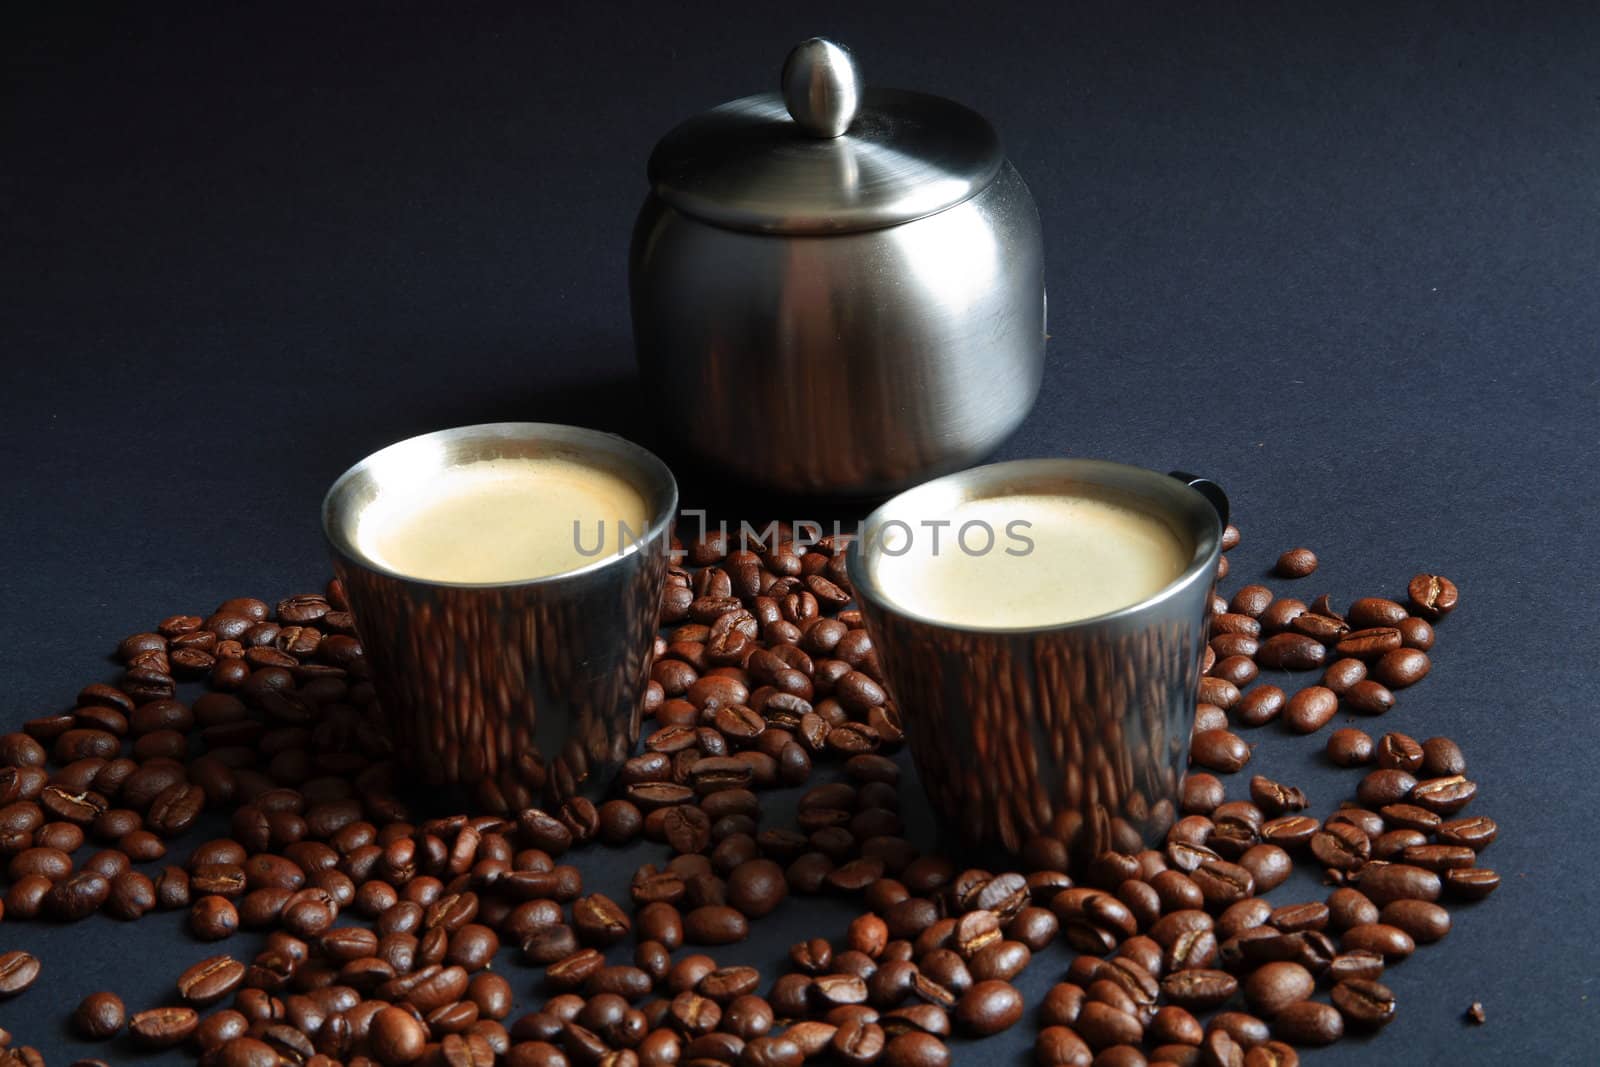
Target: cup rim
[(656, 474), (1107, 473)]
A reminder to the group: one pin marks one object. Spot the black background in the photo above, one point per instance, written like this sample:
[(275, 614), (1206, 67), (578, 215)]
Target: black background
[(1343, 261)]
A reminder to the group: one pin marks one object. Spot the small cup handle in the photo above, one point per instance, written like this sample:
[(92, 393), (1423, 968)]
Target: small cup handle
[(1208, 489)]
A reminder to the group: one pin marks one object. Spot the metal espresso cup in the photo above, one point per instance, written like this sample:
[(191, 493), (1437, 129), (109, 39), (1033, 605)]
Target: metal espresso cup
[(526, 691), (1058, 741)]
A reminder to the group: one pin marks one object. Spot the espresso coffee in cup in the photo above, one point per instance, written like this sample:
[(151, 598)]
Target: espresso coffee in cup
[(503, 520), (1029, 560)]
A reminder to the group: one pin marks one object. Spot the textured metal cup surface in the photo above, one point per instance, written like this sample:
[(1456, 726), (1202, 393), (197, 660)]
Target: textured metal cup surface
[(894, 354), (1077, 732), (527, 692)]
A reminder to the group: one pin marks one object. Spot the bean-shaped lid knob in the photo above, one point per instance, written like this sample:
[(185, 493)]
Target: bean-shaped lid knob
[(821, 88), (825, 155)]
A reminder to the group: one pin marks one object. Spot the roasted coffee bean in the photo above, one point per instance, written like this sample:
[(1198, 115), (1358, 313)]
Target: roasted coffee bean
[(1372, 611), (1222, 883), (1308, 1022), (76, 897), (756, 887), (1445, 796), (858, 1041), (1341, 674), (1349, 907), (1324, 628), (1476, 832), (1369, 698), (1398, 751), (212, 918), (1398, 881), (1173, 1025), (1062, 1005), (1201, 793), (715, 925), (834, 990), (1274, 798), (1289, 831), (25, 897), (1369, 644), (1060, 1046), (1471, 883), (78, 807), (1432, 596), (1269, 865), (1402, 667), (1274, 986), (1251, 600), (1245, 1029), (658, 920), (163, 1027), (1358, 964), (891, 984), (98, 1016), (812, 957), (210, 980), (1219, 750), (175, 810), (771, 1051), (1368, 822), (1189, 950), (1442, 757), (219, 1028), (1424, 921), (1235, 644), (1390, 942), (1219, 690), (1296, 563), (916, 1049), (397, 1036), (1385, 787), (1219, 1049), (1207, 717), (1002, 960), (1271, 1054), (1310, 709), (1365, 1004), (988, 1008), (1236, 918), (598, 920), (1291, 652), (1391, 845), (1341, 846), (1259, 706), (749, 1016), (472, 947), (1106, 1025), (1199, 988)]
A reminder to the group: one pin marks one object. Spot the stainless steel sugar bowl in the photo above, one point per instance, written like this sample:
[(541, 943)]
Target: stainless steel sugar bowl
[(838, 289)]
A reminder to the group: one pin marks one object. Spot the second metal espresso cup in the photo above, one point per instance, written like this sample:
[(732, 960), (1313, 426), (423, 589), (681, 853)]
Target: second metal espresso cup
[(1063, 740), (525, 691)]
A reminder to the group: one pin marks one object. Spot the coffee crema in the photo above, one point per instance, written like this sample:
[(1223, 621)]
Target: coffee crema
[(1052, 559), (503, 520)]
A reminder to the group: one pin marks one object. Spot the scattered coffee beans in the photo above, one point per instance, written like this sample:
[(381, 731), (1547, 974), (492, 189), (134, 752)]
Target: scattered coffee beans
[(383, 928), (1296, 563), (98, 1016)]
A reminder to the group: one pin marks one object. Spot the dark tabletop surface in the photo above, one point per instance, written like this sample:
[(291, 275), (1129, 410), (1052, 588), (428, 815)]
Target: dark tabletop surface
[(1345, 262)]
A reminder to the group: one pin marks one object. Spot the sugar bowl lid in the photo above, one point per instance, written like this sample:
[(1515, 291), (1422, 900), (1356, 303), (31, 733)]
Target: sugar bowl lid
[(825, 156)]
